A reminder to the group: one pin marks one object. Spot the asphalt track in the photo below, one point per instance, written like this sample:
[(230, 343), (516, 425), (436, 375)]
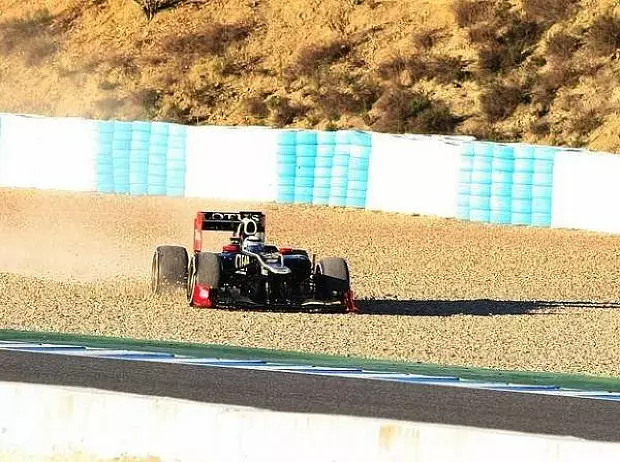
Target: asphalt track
[(557, 415)]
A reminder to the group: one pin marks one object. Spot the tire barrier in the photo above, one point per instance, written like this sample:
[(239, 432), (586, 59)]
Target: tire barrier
[(141, 158), (506, 184), (323, 168), (446, 176)]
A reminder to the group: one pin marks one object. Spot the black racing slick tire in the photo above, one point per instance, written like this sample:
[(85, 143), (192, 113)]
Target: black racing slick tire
[(169, 269), (205, 270), (332, 278)]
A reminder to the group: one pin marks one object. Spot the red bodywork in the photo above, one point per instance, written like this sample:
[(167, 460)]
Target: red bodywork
[(349, 302), (198, 232), (202, 296)]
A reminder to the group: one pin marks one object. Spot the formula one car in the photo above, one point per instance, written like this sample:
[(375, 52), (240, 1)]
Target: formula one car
[(248, 271)]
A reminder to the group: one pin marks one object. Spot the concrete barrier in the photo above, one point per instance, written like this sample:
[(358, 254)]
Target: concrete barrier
[(49, 423)]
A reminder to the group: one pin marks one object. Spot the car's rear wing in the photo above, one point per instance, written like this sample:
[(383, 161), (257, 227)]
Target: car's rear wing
[(227, 221)]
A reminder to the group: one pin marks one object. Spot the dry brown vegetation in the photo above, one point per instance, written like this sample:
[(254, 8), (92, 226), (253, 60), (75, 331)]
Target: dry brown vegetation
[(457, 293), (323, 64)]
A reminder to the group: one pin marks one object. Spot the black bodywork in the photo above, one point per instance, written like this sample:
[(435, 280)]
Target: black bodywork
[(258, 273), (248, 282)]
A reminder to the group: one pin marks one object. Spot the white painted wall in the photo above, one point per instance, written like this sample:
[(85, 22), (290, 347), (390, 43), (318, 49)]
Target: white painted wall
[(48, 153), (231, 163), (586, 191), (42, 422), (413, 175)]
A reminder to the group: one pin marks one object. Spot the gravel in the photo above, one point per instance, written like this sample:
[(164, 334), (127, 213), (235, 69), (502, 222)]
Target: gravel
[(429, 289)]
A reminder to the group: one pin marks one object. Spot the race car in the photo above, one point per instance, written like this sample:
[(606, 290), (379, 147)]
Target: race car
[(248, 271)]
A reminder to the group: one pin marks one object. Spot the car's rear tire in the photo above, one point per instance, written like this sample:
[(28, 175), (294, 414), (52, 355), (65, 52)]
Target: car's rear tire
[(332, 278), (205, 271), (208, 269), (168, 269)]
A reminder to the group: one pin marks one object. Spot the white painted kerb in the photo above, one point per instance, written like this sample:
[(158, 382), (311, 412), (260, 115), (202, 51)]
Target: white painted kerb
[(44, 423)]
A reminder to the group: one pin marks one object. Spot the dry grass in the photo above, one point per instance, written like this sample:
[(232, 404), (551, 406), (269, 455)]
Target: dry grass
[(604, 35), (550, 10), (469, 294), (310, 64)]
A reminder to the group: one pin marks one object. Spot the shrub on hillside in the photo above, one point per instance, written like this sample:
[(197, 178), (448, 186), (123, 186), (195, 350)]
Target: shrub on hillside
[(444, 69), (447, 69), (550, 10), (283, 111), (333, 103), (214, 39), (499, 58), (39, 34), (151, 7), (124, 64), (586, 121), (482, 34), (403, 111), (549, 82), (470, 12), (148, 99), (317, 55), (392, 68), (540, 127), (16, 32), (502, 53), (562, 46), (522, 33), (425, 39), (492, 58), (314, 61), (436, 119), (604, 35), (500, 101), (483, 130), (256, 106)]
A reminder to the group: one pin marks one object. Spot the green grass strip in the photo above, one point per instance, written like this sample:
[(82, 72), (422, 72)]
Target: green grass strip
[(575, 381)]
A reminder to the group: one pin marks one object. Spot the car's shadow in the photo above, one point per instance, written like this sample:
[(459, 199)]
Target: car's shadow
[(481, 307)]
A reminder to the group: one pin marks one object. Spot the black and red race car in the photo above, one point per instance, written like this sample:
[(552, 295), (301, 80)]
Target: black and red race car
[(248, 271)]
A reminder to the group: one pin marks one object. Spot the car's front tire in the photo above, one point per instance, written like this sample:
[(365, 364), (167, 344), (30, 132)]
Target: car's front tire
[(204, 279), (333, 282)]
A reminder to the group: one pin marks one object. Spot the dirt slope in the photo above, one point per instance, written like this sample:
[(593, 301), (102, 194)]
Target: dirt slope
[(432, 290), (535, 70)]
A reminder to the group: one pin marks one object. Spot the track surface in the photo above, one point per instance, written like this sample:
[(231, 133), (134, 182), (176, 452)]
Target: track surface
[(593, 420)]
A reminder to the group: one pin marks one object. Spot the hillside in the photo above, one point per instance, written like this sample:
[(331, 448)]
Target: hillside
[(542, 71)]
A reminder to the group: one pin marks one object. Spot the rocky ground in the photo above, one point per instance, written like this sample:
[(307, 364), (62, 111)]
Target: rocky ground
[(431, 290)]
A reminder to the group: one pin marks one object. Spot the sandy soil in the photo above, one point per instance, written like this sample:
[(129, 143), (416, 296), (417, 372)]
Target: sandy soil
[(431, 290)]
